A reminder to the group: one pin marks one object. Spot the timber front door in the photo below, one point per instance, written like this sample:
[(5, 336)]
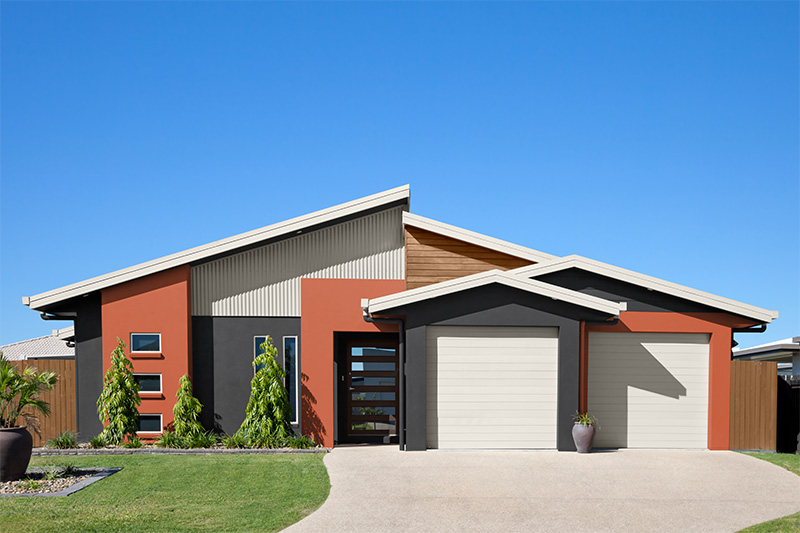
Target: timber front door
[(371, 380)]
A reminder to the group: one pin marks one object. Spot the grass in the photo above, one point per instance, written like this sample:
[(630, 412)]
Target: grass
[(180, 493), (787, 524)]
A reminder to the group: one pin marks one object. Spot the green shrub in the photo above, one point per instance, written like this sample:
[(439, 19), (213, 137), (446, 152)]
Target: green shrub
[(64, 440), (119, 401), (97, 442), (266, 423), (202, 440), (301, 442), (169, 439), (186, 411), (134, 442), (237, 440)]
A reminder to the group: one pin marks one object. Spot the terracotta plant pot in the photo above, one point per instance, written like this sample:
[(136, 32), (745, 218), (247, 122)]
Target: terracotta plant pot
[(16, 445), (583, 437)]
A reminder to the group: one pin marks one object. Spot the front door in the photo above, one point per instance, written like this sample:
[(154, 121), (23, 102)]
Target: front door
[(371, 382)]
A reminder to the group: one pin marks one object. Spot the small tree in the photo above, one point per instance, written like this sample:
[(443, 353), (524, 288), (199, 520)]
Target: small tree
[(187, 409), (118, 405), (267, 420)]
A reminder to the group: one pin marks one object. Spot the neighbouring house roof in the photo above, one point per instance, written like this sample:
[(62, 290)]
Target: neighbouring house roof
[(477, 239), (284, 229), (377, 305), (649, 282), (53, 345), (781, 351)]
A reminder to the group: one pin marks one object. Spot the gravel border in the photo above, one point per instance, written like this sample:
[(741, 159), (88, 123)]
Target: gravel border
[(53, 452), (101, 474)]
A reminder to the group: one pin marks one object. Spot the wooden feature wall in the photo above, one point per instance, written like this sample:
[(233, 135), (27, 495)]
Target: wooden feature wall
[(61, 400), (754, 407), (432, 258)]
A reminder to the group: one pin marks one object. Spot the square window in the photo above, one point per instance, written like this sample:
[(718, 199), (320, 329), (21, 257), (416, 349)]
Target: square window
[(150, 423), (148, 382), (145, 342)]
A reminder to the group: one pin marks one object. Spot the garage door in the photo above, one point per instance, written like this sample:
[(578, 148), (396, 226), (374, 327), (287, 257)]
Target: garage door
[(649, 390), (491, 387)]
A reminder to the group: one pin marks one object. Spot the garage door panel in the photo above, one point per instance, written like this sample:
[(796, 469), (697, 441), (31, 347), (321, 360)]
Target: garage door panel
[(649, 390), (492, 387)]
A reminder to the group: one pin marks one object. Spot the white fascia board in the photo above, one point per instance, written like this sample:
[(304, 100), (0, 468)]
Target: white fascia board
[(648, 282), (65, 333), (377, 305), (476, 238), (281, 229)]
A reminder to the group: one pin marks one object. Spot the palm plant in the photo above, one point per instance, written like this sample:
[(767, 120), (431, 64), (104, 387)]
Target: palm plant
[(20, 390)]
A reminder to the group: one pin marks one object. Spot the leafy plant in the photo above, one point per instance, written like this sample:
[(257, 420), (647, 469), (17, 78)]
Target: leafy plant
[(134, 442), (187, 409), (170, 439), (584, 419), (267, 420), (202, 440), (64, 440), (237, 440), (21, 389), (300, 442), (119, 401), (97, 442), (31, 485)]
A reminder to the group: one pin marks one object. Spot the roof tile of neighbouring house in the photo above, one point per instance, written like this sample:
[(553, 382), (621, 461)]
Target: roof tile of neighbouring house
[(47, 346)]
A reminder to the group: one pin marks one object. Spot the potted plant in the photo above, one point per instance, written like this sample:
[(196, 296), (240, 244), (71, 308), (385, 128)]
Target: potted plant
[(583, 431), (19, 390)]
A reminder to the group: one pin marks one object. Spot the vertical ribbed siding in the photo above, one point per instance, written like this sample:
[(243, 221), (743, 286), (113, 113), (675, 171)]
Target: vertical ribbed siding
[(265, 281)]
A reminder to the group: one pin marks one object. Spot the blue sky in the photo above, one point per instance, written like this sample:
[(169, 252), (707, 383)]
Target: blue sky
[(660, 137)]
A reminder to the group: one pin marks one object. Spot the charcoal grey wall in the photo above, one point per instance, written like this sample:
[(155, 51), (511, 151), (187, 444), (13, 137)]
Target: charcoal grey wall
[(88, 364), (494, 305), (222, 363)]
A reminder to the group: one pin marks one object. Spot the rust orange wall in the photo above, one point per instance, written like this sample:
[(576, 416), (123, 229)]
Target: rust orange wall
[(159, 303), (718, 325), (330, 305)]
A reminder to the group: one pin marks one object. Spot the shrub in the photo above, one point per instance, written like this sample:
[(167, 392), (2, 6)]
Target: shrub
[(266, 423), (134, 442), (237, 440), (97, 442), (187, 409), (169, 439), (119, 401), (202, 440), (64, 440), (300, 442)]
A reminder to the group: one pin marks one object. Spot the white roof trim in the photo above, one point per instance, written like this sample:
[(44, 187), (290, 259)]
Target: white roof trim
[(476, 238), (294, 225), (649, 282), (376, 305), (65, 334)]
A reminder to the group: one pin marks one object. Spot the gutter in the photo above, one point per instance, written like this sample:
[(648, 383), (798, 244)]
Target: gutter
[(401, 349)]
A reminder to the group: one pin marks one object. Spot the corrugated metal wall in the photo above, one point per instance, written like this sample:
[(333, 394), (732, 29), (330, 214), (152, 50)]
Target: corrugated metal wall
[(265, 281)]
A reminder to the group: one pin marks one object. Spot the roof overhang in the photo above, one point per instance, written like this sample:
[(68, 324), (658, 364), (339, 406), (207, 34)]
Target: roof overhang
[(392, 301), (687, 293), (781, 352), (477, 239), (284, 229)]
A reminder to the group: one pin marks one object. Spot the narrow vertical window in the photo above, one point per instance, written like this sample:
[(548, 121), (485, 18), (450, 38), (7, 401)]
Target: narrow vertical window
[(292, 375), (258, 349)]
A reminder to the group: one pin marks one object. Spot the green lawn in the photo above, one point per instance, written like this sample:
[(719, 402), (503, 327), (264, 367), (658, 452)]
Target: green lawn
[(179, 493), (791, 523)]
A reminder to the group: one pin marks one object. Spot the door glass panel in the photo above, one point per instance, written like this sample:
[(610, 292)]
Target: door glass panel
[(380, 396), (373, 425), (359, 351), (372, 382), (369, 366), (373, 410)]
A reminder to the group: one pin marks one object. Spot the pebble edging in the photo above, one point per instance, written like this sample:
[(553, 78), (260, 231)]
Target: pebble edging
[(99, 473), (54, 452)]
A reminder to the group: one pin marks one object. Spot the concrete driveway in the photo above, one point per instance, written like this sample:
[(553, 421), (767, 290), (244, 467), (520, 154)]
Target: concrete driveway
[(378, 488)]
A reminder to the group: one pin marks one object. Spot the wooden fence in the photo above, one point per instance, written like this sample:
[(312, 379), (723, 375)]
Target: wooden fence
[(61, 399), (754, 412)]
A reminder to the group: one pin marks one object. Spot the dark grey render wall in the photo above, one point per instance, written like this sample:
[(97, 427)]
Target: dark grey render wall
[(638, 298), (222, 363), (88, 364), (493, 305)]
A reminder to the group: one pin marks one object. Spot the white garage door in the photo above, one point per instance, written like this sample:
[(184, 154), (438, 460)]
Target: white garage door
[(491, 387), (649, 390)]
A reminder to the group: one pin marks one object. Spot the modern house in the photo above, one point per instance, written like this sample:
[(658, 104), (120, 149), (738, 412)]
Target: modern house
[(396, 327)]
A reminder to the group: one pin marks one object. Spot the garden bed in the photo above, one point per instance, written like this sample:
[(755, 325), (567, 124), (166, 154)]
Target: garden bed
[(155, 450), (54, 481)]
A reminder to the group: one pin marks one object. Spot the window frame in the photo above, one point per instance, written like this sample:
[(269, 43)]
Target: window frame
[(295, 418), (145, 351), (160, 382), (160, 423)]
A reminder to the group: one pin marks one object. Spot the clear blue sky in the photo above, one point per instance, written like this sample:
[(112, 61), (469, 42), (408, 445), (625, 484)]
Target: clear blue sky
[(660, 137)]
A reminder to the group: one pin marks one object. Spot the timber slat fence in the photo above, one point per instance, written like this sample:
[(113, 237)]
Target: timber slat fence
[(61, 399), (754, 413)]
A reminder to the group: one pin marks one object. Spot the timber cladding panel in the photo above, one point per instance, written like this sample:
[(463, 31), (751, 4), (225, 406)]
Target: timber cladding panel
[(432, 258), (61, 399), (754, 408)]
